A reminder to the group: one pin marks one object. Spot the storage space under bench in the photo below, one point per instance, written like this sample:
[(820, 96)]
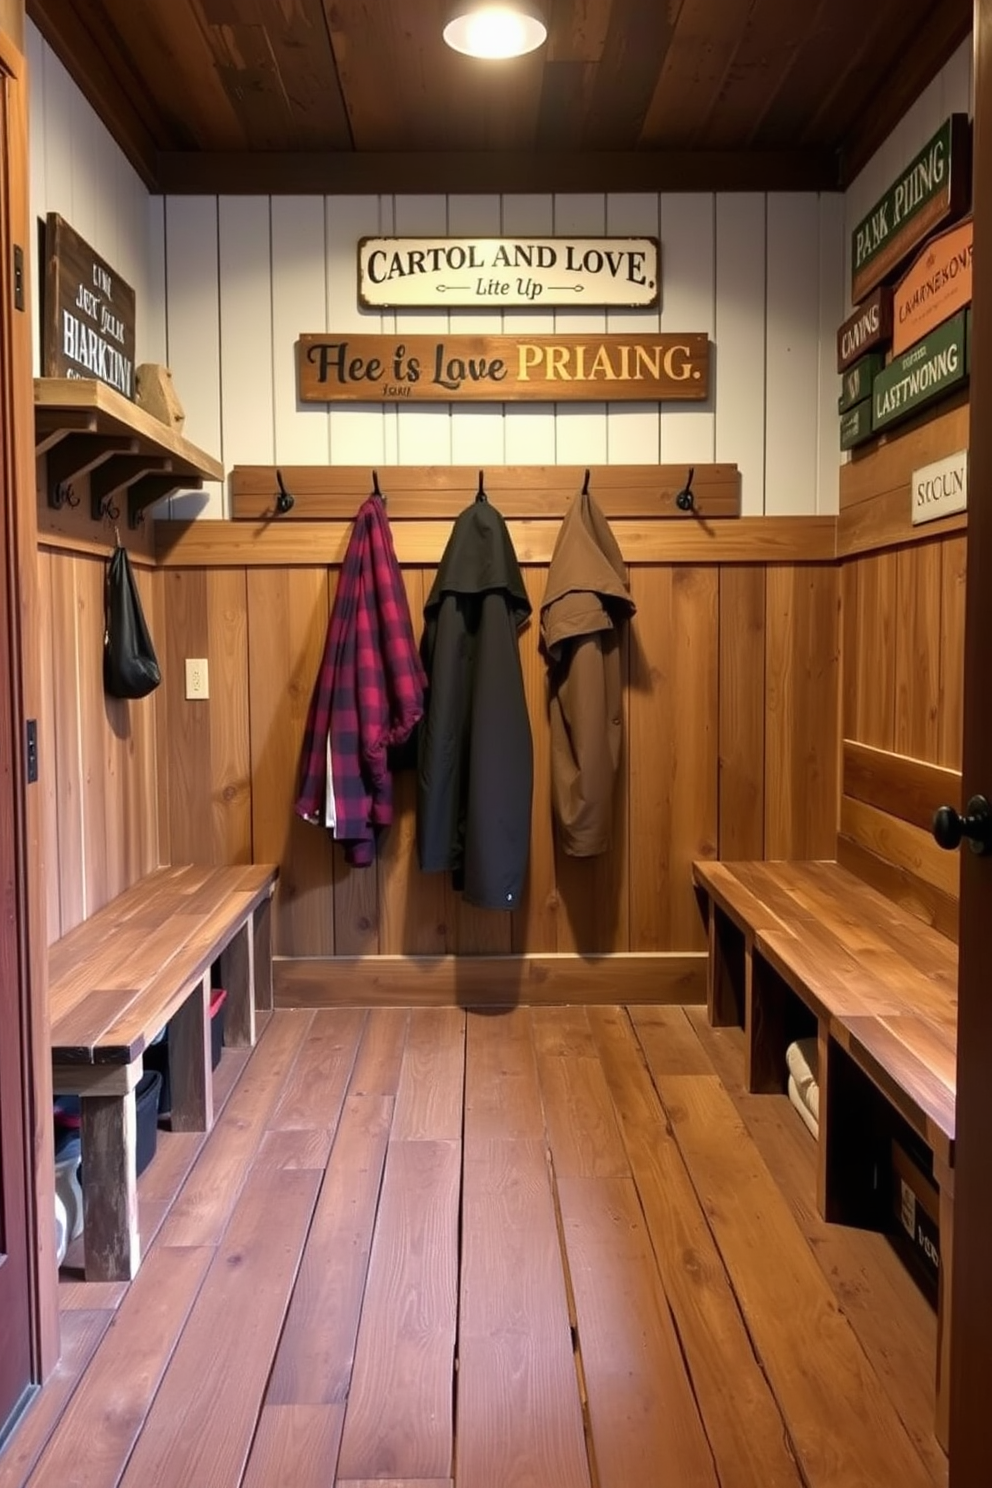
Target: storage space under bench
[(803, 947), (116, 981)]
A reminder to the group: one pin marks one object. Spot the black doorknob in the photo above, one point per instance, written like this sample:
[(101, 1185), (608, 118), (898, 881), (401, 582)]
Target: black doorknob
[(949, 828)]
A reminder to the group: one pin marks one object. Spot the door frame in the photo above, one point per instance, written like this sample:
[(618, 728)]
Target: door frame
[(19, 551)]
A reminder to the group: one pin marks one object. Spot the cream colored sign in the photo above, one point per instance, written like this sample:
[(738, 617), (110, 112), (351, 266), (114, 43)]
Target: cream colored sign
[(941, 490), (495, 273)]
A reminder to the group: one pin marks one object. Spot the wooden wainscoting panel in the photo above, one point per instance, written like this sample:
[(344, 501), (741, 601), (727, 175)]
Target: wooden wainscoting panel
[(917, 637), (907, 788), (159, 624), (287, 627), (189, 786), (742, 713), (98, 796), (802, 699), (230, 762), (209, 761), (674, 702), (874, 687), (954, 561), (850, 645), (498, 981), (48, 575)]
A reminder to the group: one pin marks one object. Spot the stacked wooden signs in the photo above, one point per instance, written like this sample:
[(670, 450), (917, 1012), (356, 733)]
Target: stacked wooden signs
[(923, 315)]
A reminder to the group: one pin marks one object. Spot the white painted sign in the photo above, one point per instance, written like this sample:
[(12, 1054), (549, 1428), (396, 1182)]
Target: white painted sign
[(461, 273), (941, 489)]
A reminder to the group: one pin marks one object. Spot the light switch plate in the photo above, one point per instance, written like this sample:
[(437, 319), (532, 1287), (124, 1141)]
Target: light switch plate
[(197, 678)]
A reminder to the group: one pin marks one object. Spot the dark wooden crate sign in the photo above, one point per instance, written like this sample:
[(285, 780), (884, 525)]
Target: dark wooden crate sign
[(89, 313), (855, 426), (869, 327), (502, 369), (857, 381), (937, 286), (927, 371), (934, 188)]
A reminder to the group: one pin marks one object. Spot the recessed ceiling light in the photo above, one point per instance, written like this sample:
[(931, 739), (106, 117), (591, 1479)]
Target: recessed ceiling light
[(495, 29)]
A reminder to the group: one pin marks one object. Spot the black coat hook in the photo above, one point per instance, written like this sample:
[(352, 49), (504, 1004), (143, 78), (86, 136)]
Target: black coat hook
[(585, 484), (284, 501), (480, 494), (686, 500), (375, 486)]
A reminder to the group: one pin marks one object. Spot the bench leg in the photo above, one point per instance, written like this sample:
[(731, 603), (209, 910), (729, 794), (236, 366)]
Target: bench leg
[(724, 972), (237, 975), (190, 1063), (945, 1178), (262, 929), (849, 1142), (765, 1026), (110, 1187)]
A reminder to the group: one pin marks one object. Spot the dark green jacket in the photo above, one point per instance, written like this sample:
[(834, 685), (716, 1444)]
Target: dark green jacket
[(475, 765)]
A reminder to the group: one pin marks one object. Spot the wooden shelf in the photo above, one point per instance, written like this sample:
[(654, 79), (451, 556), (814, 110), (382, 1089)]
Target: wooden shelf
[(85, 428)]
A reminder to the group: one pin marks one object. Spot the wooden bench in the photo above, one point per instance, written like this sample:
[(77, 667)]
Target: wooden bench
[(798, 945), (141, 962)]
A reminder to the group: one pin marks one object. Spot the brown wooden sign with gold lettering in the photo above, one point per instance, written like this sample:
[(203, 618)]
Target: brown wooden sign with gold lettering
[(501, 369)]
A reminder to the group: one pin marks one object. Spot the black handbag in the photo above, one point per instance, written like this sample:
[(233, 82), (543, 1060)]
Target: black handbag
[(130, 666)]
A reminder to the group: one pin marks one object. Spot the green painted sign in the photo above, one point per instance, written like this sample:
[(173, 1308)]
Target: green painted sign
[(931, 368), (855, 426), (857, 382), (933, 189)]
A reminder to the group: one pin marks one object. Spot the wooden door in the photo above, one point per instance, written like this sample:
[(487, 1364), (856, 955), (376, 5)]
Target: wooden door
[(15, 1207), (971, 1289)]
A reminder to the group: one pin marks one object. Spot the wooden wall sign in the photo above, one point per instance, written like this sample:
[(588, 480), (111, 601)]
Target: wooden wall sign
[(934, 188), (451, 273), (937, 286), (855, 426), (89, 313), (857, 381), (503, 369), (932, 368), (869, 327), (941, 489)]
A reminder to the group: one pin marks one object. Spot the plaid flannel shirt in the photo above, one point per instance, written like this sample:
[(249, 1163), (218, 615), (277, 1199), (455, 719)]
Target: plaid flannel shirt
[(369, 692)]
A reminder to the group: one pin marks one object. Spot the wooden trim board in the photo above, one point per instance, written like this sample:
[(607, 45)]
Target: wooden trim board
[(907, 788), (421, 491), (206, 544), (444, 981)]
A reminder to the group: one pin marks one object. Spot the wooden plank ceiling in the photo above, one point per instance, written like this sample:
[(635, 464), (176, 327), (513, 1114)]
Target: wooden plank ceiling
[(364, 95)]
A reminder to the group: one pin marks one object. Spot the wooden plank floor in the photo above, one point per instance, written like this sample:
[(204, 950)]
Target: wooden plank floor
[(548, 1248)]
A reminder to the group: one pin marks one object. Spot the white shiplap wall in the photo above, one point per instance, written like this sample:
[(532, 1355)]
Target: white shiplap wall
[(761, 275), (225, 286), (951, 92), (78, 171)]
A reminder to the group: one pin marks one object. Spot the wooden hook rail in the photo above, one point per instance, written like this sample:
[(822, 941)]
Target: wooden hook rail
[(422, 492)]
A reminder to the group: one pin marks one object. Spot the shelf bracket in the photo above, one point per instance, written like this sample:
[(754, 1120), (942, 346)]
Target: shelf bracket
[(77, 456), (116, 475), (153, 488)]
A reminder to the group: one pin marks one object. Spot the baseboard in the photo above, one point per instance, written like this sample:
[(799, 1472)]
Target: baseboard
[(489, 981)]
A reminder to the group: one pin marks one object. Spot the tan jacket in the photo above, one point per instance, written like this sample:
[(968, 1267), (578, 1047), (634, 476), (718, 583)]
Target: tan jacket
[(586, 602)]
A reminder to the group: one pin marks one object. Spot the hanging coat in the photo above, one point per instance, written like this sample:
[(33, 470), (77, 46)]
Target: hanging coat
[(475, 765), (585, 604), (369, 693)]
